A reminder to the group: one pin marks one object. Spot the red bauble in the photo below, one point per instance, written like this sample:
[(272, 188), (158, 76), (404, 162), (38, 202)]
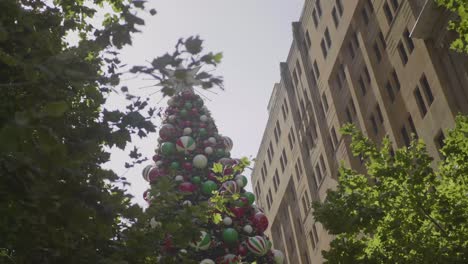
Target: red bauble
[(238, 211), (228, 171), (212, 176), (187, 187), (241, 250), (187, 95), (187, 124), (156, 173), (244, 201), (187, 166), (260, 221), (194, 111), (168, 244), (156, 158)]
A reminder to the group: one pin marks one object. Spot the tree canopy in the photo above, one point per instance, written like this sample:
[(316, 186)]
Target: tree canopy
[(403, 210), (460, 24)]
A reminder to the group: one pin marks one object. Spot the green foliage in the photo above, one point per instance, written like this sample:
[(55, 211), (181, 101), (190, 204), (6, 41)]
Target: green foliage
[(402, 210), (459, 25)]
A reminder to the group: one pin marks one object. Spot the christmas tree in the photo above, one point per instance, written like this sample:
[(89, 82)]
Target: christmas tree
[(198, 208)]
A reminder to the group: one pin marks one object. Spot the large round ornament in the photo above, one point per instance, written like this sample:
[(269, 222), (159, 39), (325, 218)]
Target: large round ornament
[(179, 178), (167, 132), (258, 245), (200, 161), (260, 221), (230, 187), (238, 211), (227, 221), (230, 259), (250, 196), (228, 144), (145, 172), (155, 173), (185, 144), (230, 236), (207, 261), (241, 180), (175, 165), (248, 229), (278, 256), (208, 187), (167, 148), (212, 140), (203, 243), (187, 131), (204, 118), (208, 150), (202, 132), (187, 187), (196, 179)]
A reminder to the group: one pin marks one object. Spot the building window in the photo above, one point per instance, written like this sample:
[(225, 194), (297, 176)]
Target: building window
[(324, 48), (353, 107), (379, 113), (375, 128), (334, 138), (356, 39), (409, 42), (439, 140), (365, 16), (307, 39), (269, 155), (315, 18), (328, 38), (275, 183), (362, 86), (286, 106), (318, 175), (335, 17), (298, 67), (316, 69), (295, 79), (285, 158), (412, 127), (312, 240), (351, 50), (402, 52), (378, 55), (339, 4), (348, 115), (318, 5), (369, 4), (390, 92), (388, 13), (325, 102), (290, 141), (420, 102), (322, 163), (315, 233), (405, 136), (395, 5), (427, 89), (382, 40), (304, 205), (367, 75), (396, 81), (272, 151)]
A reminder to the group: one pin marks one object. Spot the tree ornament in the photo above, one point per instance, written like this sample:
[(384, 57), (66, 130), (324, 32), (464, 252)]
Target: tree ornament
[(241, 180), (278, 256), (241, 202), (238, 211), (260, 221), (250, 197), (155, 173), (159, 163), (171, 101), (230, 259), (196, 179), (175, 165), (145, 172), (187, 203), (208, 150), (227, 221), (185, 144), (203, 243), (183, 113), (187, 166), (220, 153), (167, 132), (187, 131), (200, 161), (202, 132), (179, 178), (188, 105), (204, 118), (227, 142), (208, 187), (230, 236), (187, 187), (154, 223), (167, 148), (230, 187), (212, 140), (248, 229), (242, 250), (207, 261), (257, 245), (172, 118)]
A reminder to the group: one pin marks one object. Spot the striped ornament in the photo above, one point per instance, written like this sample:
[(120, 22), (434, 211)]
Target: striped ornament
[(185, 144), (146, 171), (203, 242), (228, 144), (258, 245), (230, 187), (230, 259)]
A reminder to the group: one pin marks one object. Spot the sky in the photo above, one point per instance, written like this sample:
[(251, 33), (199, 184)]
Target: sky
[(254, 37)]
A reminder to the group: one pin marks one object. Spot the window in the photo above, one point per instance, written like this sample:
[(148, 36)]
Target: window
[(318, 175), (402, 52), (290, 141), (286, 106), (335, 17), (427, 89), (369, 4), (375, 128), (276, 181), (318, 5), (351, 50), (388, 13), (356, 39), (365, 16), (324, 48), (269, 155), (362, 85), (412, 127), (295, 79), (272, 151), (315, 233), (278, 127), (307, 39), (316, 69), (276, 135), (304, 204), (396, 81), (353, 107), (292, 135), (339, 4), (382, 40), (378, 55), (420, 102), (334, 138), (312, 240), (325, 102), (389, 88), (285, 158), (322, 163), (395, 5), (405, 136), (379, 113), (367, 75), (439, 140), (409, 42), (348, 115), (315, 18), (298, 175), (327, 38)]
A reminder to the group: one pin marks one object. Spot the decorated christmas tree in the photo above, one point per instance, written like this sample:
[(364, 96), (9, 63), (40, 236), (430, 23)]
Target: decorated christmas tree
[(199, 209)]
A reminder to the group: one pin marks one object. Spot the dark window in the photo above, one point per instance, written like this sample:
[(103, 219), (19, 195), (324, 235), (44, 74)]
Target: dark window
[(389, 88), (322, 163), (396, 80), (325, 102), (298, 67), (324, 48), (339, 4), (409, 42), (395, 5), (388, 13), (379, 113), (351, 50), (405, 136), (314, 231), (335, 17), (292, 135), (295, 79), (315, 18), (278, 126), (272, 151), (420, 102), (334, 138), (284, 112), (439, 140), (374, 124), (353, 107), (307, 38), (369, 4), (312, 240), (316, 69), (366, 74), (402, 52), (382, 40), (327, 38), (378, 55), (318, 5), (365, 16), (314, 78), (339, 82), (427, 89), (362, 86), (355, 38), (285, 158), (286, 106), (412, 127), (319, 174), (290, 141), (348, 115)]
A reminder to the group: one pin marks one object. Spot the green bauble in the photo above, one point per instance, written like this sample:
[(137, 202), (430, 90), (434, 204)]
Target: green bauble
[(230, 236), (196, 179), (250, 196), (167, 148), (175, 165), (183, 113), (188, 105), (202, 132), (220, 152), (208, 187), (199, 102)]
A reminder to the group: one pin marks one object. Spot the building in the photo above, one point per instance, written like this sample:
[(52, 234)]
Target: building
[(383, 65)]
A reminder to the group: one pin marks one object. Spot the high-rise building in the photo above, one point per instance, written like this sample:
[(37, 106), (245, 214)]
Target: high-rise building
[(383, 65)]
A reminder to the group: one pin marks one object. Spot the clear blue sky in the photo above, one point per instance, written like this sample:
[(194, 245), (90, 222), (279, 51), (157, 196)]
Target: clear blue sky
[(254, 36)]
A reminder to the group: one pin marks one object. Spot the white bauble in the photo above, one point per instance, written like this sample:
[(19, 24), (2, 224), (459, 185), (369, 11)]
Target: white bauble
[(227, 220), (172, 118), (187, 131), (187, 203), (212, 140), (179, 178), (154, 223), (278, 256), (208, 150), (171, 101), (248, 229), (207, 261), (159, 163), (203, 118), (200, 161), (183, 251)]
